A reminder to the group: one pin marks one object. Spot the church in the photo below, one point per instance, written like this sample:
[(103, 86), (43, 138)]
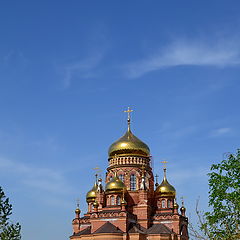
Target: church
[(131, 206)]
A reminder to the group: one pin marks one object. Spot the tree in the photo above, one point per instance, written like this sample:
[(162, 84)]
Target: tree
[(8, 230), (223, 221)]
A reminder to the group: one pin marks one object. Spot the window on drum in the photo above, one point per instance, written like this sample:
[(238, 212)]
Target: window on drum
[(121, 177), (163, 203), (118, 200), (133, 182)]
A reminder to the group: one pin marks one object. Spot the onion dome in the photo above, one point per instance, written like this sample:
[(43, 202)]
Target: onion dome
[(175, 205), (129, 144), (92, 194), (77, 211), (165, 188), (115, 186), (95, 204), (182, 209)]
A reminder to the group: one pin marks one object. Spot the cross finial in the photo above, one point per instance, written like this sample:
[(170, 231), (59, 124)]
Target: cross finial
[(98, 171), (78, 202), (128, 111), (182, 201), (164, 162)]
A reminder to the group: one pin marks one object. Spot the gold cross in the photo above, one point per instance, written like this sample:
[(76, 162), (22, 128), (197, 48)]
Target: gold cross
[(128, 111), (182, 200), (78, 202), (97, 169), (164, 164)]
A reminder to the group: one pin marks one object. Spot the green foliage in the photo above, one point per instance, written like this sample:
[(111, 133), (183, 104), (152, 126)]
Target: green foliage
[(8, 230), (223, 222)]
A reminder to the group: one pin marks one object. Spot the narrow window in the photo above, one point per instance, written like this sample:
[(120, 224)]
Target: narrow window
[(132, 182), (121, 177), (118, 200), (169, 203), (163, 204), (110, 178), (112, 200)]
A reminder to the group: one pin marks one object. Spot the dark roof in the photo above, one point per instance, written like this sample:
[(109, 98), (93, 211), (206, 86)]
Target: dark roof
[(159, 229), (137, 229), (111, 211), (83, 232), (108, 228)]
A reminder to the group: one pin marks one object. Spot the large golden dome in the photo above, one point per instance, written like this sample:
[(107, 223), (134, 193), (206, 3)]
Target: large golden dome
[(115, 186), (92, 194), (128, 144), (165, 188)]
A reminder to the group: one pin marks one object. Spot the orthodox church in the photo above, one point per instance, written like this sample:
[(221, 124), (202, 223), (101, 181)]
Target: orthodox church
[(131, 206)]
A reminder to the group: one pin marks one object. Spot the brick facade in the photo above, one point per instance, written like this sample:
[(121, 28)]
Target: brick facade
[(137, 212)]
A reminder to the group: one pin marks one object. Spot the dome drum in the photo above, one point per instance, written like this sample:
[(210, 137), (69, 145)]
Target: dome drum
[(134, 160)]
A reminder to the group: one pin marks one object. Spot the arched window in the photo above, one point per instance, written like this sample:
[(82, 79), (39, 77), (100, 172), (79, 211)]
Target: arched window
[(169, 203), (118, 200), (132, 182), (110, 178), (112, 200), (163, 203), (121, 177)]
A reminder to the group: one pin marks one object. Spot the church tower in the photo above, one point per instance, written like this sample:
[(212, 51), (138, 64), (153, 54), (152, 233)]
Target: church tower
[(131, 207)]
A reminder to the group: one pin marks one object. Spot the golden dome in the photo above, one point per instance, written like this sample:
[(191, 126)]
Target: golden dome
[(77, 211), (175, 205), (129, 144), (115, 186), (165, 188), (92, 194)]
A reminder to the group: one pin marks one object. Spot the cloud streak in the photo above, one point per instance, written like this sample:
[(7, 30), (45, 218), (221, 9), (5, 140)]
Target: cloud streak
[(187, 53), (220, 132), (83, 69), (40, 179)]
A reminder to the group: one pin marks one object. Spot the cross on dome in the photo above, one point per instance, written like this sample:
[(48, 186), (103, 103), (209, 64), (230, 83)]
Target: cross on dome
[(128, 111)]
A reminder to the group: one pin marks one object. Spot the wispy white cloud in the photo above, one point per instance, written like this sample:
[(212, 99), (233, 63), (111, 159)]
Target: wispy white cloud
[(14, 58), (82, 69), (179, 53), (220, 131), (168, 131), (40, 179)]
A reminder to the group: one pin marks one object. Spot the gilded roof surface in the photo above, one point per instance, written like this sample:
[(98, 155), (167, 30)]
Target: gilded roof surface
[(128, 144), (115, 185), (166, 189), (92, 194)]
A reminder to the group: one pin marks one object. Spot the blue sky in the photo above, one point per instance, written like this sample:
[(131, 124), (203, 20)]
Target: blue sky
[(68, 69)]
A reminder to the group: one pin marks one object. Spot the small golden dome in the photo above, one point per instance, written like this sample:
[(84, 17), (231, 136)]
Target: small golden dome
[(77, 211), (165, 188), (175, 205), (182, 208), (92, 194), (115, 186), (129, 144), (95, 204), (124, 202)]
